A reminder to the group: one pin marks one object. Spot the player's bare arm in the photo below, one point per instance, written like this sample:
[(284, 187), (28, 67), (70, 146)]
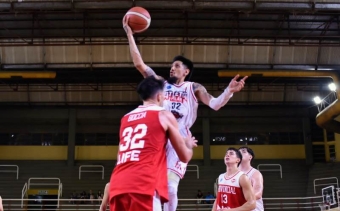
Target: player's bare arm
[(249, 196), (216, 103), (183, 147), (257, 180), (1, 207), (135, 54), (214, 206), (105, 199)]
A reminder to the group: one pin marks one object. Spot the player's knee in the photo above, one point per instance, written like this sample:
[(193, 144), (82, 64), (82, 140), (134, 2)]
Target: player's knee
[(172, 188)]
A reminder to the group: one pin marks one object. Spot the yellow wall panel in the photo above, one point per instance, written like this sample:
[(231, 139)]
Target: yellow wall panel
[(110, 152), (33, 152), (264, 151)]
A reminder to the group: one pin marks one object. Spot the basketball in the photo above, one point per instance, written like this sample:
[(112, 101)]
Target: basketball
[(139, 19)]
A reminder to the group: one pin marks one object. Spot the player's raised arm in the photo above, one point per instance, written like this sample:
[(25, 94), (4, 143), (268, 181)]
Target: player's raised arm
[(183, 146), (216, 103), (248, 193), (136, 57)]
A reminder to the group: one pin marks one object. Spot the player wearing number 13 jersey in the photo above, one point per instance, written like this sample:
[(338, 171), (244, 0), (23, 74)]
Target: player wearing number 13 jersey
[(234, 188), (139, 180)]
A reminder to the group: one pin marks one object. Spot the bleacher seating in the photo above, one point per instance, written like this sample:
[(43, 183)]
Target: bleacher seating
[(296, 177)]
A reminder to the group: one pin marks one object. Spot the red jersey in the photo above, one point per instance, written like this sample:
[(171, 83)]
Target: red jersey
[(229, 194), (141, 164)]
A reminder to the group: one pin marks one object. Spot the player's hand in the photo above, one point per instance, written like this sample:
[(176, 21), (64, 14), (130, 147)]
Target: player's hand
[(126, 26), (236, 86), (190, 141)]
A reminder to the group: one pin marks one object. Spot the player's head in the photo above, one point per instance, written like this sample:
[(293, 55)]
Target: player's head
[(151, 89), (233, 156), (247, 154), (181, 69)]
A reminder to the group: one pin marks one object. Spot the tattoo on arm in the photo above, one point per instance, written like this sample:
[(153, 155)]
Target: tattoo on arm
[(149, 72), (200, 87)]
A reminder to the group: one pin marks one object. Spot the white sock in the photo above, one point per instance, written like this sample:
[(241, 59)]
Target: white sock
[(173, 181), (173, 199)]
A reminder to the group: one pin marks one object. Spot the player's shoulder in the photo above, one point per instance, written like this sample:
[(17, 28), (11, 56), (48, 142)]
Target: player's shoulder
[(257, 173), (221, 178)]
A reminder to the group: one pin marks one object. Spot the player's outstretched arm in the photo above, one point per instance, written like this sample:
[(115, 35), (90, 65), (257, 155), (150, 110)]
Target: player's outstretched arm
[(257, 179), (136, 57), (248, 195), (183, 146), (216, 103), (105, 199)]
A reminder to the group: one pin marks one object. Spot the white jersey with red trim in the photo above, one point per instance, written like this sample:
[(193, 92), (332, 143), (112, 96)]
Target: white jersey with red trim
[(259, 202), (229, 192), (180, 100)]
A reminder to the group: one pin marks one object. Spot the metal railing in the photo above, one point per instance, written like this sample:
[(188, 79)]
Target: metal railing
[(325, 184), (196, 170), (29, 184), (271, 165), (23, 194), (11, 171), (91, 166), (338, 196), (296, 203)]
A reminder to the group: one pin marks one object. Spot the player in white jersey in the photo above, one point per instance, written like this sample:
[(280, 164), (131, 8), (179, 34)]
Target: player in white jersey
[(254, 175), (182, 100)]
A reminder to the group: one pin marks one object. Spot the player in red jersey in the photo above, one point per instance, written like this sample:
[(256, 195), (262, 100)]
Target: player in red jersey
[(235, 192), (139, 180)]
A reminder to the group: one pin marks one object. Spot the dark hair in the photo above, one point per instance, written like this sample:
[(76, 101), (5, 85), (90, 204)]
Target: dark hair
[(148, 87), (238, 154), (250, 151), (188, 63)]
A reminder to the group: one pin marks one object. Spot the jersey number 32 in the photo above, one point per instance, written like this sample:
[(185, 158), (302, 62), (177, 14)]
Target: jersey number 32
[(129, 147), (133, 137)]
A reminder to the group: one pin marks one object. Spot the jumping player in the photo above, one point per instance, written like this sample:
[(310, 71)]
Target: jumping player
[(253, 174), (181, 98), (140, 176), (234, 188), (105, 199)]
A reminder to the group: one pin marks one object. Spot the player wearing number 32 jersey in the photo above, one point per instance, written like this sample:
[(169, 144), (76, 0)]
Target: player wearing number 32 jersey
[(234, 192), (181, 98), (139, 181)]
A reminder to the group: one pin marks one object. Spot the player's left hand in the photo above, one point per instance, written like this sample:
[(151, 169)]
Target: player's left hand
[(236, 86)]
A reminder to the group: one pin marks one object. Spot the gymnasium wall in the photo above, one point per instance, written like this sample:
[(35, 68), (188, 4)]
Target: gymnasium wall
[(110, 152), (229, 123)]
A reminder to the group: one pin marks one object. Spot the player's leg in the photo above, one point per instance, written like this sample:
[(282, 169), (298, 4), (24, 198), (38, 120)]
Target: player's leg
[(173, 182)]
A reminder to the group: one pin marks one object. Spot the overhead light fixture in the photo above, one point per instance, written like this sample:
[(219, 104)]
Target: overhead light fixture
[(332, 87), (317, 100)]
